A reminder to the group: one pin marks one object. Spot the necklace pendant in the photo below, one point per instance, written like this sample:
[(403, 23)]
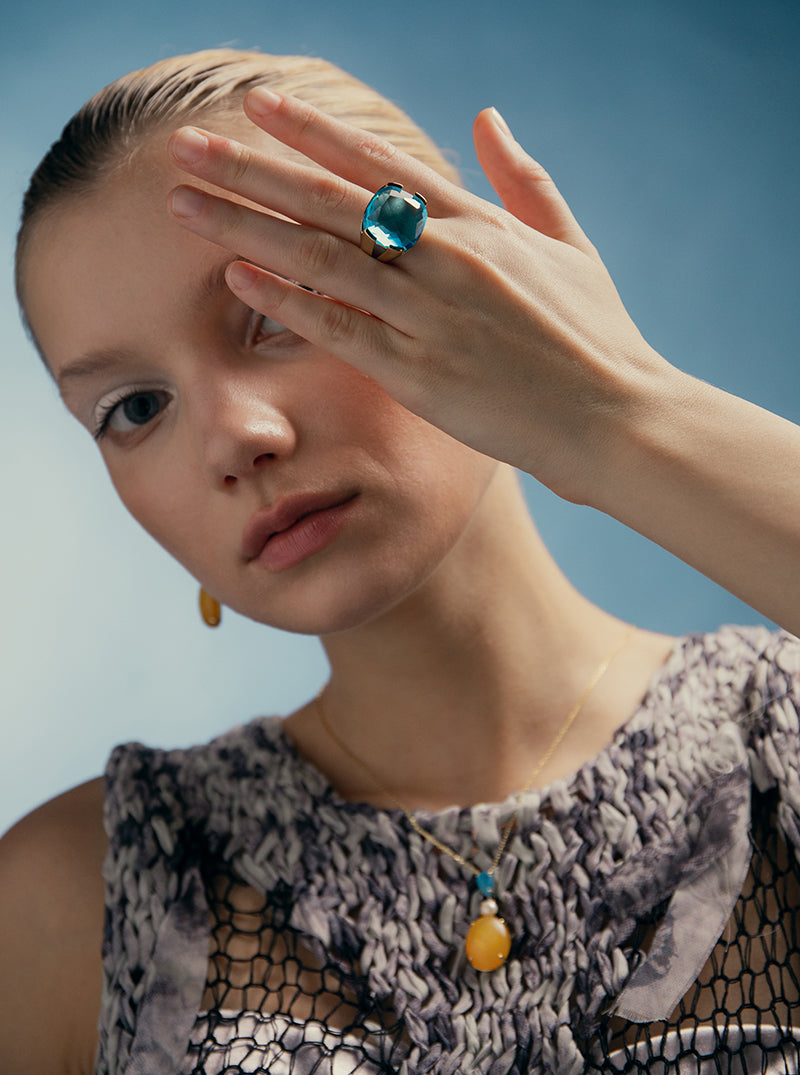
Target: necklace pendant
[(488, 939)]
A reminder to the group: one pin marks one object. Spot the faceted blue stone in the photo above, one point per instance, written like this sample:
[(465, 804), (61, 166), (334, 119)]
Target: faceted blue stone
[(486, 884), (394, 217)]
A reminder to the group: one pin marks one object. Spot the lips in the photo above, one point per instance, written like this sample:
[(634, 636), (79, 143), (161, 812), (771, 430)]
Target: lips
[(294, 528)]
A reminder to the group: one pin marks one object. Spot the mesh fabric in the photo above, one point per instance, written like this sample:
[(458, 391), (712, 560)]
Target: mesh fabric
[(271, 1005)]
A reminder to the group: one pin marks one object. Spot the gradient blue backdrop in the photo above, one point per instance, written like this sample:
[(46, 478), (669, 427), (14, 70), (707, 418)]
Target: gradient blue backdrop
[(671, 127)]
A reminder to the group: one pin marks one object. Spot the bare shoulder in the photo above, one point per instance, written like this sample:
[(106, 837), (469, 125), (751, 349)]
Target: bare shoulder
[(51, 927)]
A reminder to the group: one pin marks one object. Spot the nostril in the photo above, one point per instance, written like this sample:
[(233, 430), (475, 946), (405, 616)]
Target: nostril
[(265, 457)]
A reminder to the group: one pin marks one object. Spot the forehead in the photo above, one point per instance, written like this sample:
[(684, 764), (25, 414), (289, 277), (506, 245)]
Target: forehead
[(96, 265)]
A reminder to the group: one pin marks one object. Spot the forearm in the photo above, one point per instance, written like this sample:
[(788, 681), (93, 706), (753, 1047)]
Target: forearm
[(716, 481)]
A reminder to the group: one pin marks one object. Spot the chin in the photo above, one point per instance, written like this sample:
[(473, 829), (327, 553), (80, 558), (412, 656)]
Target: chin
[(321, 621), (340, 606)]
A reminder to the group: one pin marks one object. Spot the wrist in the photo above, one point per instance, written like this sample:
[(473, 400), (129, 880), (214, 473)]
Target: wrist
[(636, 433)]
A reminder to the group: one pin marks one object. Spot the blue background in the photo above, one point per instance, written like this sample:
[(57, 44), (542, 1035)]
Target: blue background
[(672, 129)]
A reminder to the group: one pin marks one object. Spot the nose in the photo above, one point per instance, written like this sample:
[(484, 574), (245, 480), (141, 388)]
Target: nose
[(241, 427)]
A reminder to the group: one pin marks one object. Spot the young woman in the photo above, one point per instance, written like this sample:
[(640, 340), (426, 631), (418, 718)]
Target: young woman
[(512, 834)]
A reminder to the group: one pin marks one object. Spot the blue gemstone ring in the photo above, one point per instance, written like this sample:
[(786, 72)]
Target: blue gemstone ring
[(392, 222)]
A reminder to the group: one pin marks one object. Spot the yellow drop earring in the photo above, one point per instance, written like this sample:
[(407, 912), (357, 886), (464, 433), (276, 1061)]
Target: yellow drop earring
[(209, 609)]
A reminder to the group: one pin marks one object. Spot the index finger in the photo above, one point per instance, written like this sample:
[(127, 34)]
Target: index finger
[(356, 155)]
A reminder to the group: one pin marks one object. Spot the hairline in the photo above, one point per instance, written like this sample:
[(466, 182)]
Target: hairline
[(116, 162), (222, 79)]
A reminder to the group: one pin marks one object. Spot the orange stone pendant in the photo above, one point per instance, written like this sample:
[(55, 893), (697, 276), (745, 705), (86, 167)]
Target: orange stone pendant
[(488, 939)]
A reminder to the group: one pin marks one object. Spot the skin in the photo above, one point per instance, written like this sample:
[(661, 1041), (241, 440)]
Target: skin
[(247, 421), (504, 329), (438, 605), (242, 427)]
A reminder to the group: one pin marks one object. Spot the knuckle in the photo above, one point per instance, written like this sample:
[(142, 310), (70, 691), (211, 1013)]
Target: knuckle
[(533, 172), (491, 216), (241, 163), (280, 304), (328, 194), (336, 321), (316, 254), (465, 256), (230, 218), (377, 150), (306, 120)]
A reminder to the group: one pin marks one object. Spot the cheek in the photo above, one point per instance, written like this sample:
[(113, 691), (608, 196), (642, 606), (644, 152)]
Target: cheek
[(412, 450), (421, 491), (441, 478), (165, 503)]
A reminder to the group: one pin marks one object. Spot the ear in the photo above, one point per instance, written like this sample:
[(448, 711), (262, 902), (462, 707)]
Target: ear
[(523, 186)]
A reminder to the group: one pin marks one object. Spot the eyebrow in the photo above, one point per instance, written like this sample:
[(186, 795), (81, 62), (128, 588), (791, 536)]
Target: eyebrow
[(88, 365), (94, 362), (212, 284)]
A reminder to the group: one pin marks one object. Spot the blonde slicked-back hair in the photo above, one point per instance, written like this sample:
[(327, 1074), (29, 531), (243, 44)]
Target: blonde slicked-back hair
[(107, 129)]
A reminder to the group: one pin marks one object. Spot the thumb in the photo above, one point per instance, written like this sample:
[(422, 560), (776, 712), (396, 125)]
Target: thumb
[(523, 186)]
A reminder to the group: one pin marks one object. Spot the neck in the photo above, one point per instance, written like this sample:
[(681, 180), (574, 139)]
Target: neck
[(454, 695)]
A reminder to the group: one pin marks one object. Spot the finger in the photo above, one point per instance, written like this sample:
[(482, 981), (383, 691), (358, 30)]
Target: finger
[(363, 341), (524, 187), (311, 256), (353, 154), (301, 192)]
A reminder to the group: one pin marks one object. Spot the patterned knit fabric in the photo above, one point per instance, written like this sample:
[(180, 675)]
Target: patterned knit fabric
[(258, 922)]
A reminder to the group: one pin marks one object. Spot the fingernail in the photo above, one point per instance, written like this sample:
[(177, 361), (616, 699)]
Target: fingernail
[(187, 202), (189, 145), (501, 123), (241, 276), (263, 101)]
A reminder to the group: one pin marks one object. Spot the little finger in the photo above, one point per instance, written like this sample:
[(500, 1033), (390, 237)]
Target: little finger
[(353, 335)]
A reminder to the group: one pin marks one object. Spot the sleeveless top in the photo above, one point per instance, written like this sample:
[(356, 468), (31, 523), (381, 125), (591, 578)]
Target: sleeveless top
[(258, 922)]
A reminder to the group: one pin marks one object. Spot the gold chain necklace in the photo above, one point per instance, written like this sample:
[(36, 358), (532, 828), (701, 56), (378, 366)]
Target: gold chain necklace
[(489, 938)]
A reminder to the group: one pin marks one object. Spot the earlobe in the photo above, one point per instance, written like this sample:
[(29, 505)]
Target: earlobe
[(210, 609)]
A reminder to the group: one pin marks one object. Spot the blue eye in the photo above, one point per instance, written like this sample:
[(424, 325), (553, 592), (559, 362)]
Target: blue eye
[(125, 413), (141, 408)]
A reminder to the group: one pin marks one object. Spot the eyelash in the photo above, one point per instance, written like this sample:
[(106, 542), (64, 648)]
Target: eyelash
[(256, 323), (107, 410)]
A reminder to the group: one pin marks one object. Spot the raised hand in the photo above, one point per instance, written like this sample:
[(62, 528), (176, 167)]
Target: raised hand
[(501, 327)]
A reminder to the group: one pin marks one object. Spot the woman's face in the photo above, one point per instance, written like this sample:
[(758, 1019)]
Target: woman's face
[(289, 484)]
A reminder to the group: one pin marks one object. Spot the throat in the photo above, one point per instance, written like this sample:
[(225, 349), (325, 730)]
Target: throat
[(431, 756)]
